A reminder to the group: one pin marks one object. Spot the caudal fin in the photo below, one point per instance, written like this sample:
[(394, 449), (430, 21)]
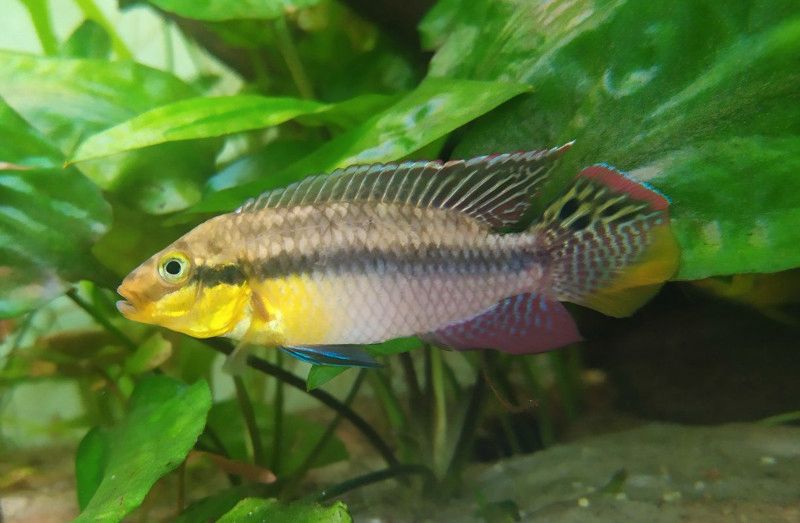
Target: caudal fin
[(610, 241)]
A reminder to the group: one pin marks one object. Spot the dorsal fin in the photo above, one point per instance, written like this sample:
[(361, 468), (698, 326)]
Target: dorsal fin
[(495, 189)]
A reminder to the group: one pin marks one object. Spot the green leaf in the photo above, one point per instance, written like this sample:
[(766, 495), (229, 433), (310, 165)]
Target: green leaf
[(258, 510), (164, 420), (435, 108), (88, 40), (48, 222), (211, 508), (154, 351), (232, 9), (762, 231), (319, 375), (299, 436), (681, 89), (67, 100), (20, 144), (90, 464), (194, 118)]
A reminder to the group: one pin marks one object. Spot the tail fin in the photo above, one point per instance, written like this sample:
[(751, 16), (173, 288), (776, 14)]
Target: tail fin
[(610, 242)]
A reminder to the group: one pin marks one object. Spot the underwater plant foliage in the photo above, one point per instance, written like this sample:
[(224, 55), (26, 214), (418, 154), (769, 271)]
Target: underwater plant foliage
[(108, 154)]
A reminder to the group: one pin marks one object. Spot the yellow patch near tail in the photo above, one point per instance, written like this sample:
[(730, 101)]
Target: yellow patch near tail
[(639, 282)]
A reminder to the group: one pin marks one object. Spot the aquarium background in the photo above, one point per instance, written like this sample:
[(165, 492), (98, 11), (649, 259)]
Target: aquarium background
[(124, 124)]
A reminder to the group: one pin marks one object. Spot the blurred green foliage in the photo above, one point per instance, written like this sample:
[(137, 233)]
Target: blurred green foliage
[(103, 160)]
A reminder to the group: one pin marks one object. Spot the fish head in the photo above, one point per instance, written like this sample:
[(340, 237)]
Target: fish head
[(185, 289)]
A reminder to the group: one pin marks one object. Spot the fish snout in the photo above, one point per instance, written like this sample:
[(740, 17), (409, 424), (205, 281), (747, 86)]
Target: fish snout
[(127, 307)]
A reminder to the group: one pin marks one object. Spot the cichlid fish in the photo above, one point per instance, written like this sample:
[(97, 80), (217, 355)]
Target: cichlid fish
[(375, 252)]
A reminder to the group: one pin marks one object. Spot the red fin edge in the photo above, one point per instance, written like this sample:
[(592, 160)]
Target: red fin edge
[(617, 181)]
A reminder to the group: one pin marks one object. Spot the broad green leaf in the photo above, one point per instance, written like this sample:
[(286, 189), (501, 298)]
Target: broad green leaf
[(164, 420), (299, 436), (90, 462), (49, 219), (257, 510), (748, 226), (89, 40), (204, 117), (435, 108), (21, 145), (685, 94), (67, 100), (232, 9)]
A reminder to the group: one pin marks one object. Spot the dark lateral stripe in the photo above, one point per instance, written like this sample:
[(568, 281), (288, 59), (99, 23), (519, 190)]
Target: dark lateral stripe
[(430, 261), (218, 274)]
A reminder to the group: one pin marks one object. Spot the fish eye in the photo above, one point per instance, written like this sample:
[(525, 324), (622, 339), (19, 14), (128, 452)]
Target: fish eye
[(174, 267)]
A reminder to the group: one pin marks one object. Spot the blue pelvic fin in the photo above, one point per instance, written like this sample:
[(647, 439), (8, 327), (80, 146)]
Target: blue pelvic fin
[(522, 324), (335, 355)]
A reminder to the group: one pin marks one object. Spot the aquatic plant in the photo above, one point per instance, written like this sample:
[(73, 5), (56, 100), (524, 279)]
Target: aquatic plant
[(104, 160)]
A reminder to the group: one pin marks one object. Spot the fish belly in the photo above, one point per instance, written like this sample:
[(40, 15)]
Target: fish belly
[(323, 308)]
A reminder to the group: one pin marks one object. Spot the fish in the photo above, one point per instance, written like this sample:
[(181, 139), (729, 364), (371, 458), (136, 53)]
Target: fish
[(446, 251)]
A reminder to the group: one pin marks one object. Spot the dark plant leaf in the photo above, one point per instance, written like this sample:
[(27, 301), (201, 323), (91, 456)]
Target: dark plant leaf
[(693, 96), (164, 420)]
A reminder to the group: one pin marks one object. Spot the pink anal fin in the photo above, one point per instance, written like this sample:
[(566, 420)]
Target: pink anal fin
[(521, 324)]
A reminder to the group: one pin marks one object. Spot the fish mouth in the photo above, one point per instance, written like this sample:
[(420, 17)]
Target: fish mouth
[(126, 306)]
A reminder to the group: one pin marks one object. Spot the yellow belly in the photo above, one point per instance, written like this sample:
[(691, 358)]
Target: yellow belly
[(297, 312)]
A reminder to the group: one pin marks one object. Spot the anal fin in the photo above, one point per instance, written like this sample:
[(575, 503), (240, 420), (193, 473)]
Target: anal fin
[(521, 324), (335, 355)]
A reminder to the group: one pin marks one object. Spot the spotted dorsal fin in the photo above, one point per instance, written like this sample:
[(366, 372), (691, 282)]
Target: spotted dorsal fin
[(495, 189)]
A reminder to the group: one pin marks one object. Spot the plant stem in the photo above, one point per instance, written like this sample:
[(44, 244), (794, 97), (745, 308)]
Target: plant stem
[(562, 373), (470, 424), (181, 487), (440, 460), (545, 415), (781, 419), (40, 16), (292, 58), (249, 415), (290, 379), (382, 388), (312, 456), (277, 434), (374, 477), (410, 375), (169, 47), (92, 12), (99, 318)]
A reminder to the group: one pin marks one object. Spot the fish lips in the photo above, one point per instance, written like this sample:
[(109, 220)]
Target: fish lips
[(126, 307)]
